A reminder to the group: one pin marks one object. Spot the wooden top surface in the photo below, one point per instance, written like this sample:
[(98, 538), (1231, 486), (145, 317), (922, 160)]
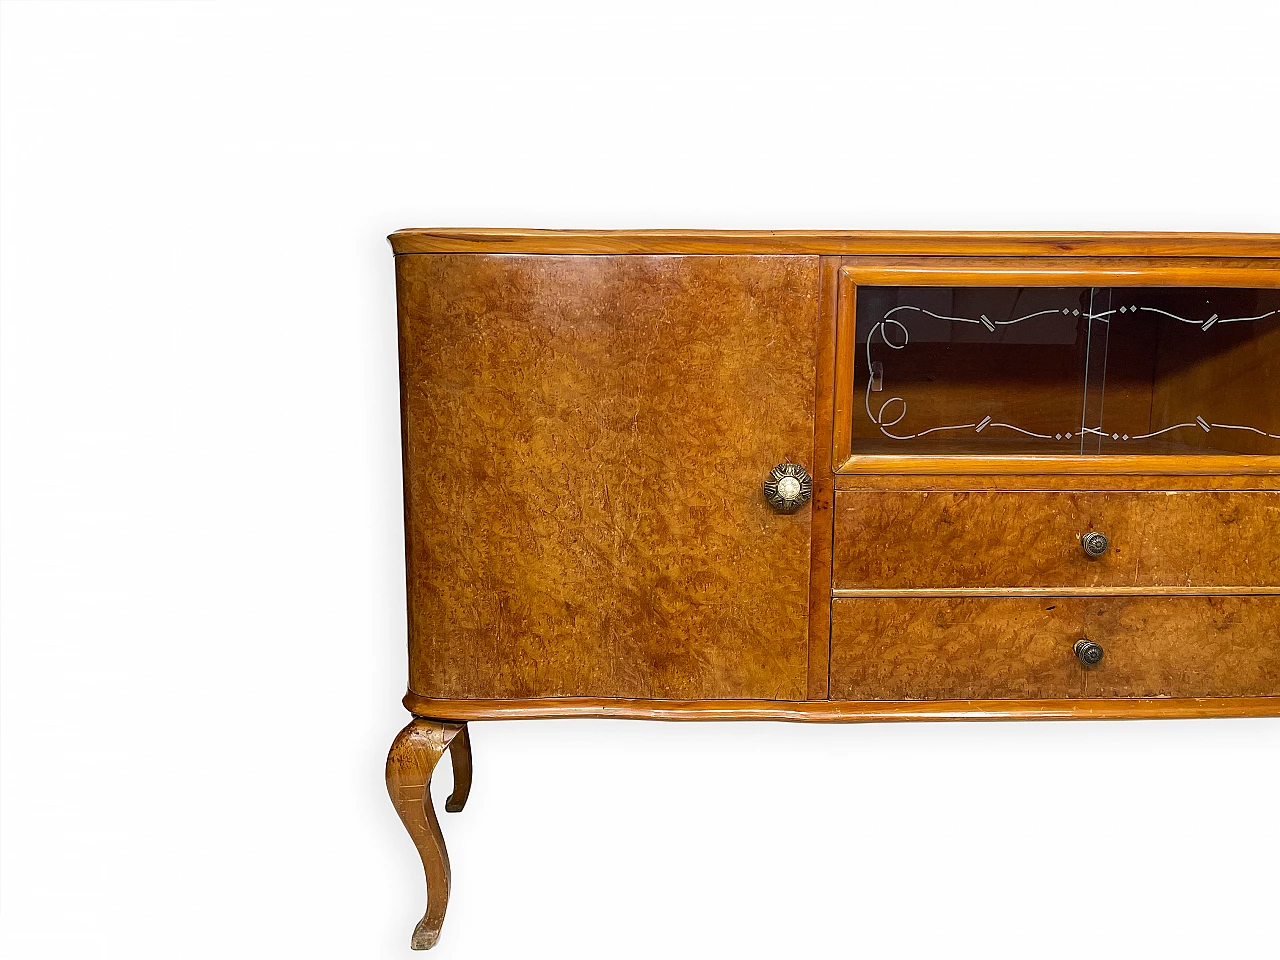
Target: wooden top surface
[(836, 243)]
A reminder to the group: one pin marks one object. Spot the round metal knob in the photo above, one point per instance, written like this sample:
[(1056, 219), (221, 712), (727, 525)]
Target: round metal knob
[(1095, 544), (1088, 652), (788, 488)]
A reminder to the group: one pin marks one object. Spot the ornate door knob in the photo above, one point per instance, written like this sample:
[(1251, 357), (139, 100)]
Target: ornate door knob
[(788, 488), (1095, 544), (1089, 653)]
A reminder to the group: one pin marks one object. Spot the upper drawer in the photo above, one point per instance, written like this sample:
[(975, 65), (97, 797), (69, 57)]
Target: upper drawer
[(944, 540)]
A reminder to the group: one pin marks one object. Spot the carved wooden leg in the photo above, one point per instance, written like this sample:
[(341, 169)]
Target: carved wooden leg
[(460, 753), (414, 755)]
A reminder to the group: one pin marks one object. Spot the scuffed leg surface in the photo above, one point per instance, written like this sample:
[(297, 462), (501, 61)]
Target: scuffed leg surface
[(413, 757)]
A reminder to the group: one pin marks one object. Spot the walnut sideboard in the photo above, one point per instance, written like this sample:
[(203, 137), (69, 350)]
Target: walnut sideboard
[(831, 476)]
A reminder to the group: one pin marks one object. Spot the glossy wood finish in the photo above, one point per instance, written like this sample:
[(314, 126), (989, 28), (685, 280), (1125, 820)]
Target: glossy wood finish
[(1001, 591), (587, 420), (823, 502), (836, 243), (584, 441), (493, 608), (1021, 648), (1040, 271), (948, 649), (1166, 466), (1184, 647), (838, 711), (1058, 481), (413, 758), (948, 540), (460, 754)]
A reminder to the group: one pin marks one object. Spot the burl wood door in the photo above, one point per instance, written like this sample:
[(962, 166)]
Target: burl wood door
[(585, 441)]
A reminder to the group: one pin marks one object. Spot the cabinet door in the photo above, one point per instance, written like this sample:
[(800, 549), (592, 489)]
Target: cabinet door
[(585, 440)]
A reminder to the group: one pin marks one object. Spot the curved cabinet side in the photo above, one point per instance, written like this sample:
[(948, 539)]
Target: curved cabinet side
[(585, 440)]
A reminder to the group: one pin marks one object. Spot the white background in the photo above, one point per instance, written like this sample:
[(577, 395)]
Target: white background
[(203, 615)]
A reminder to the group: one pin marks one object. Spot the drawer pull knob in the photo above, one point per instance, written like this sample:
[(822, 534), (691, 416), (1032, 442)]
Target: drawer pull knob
[(1095, 544), (1089, 653), (788, 488)]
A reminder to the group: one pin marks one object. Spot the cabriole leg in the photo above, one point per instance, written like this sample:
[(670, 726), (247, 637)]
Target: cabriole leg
[(460, 753), (414, 755)]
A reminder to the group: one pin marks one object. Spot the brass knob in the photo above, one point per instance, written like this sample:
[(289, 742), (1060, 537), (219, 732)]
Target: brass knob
[(1089, 653), (1094, 544), (788, 488)]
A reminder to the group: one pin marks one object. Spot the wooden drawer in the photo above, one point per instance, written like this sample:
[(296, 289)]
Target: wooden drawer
[(978, 648), (939, 540)]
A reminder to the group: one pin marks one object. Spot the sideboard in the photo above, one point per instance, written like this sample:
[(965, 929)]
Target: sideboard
[(832, 477)]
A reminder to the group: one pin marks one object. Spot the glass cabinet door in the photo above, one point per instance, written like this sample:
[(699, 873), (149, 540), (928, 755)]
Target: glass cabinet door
[(1074, 371)]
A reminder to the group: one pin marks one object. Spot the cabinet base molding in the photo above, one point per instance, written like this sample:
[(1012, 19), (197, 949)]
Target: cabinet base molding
[(836, 711)]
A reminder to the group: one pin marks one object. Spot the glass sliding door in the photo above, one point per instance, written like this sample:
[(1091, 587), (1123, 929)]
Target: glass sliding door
[(1074, 371)]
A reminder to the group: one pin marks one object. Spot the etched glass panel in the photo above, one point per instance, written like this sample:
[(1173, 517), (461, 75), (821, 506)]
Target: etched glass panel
[(1079, 371), (970, 370), (1191, 370)]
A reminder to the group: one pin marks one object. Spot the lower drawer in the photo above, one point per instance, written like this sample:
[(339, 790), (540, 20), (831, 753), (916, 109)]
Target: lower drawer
[(992, 648)]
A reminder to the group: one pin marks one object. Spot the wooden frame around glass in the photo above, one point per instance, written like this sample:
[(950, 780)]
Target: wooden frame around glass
[(1025, 272)]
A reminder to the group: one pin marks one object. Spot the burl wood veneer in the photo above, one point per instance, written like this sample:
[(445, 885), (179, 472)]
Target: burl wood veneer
[(1020, 648), (584, 440), (1158, 539), (831, 476)]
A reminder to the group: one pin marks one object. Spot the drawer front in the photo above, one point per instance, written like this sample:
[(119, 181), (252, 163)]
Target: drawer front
[(940, 540), (1022, 648)]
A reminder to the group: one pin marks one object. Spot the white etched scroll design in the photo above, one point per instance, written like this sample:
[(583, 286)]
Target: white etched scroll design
[(879, 417)]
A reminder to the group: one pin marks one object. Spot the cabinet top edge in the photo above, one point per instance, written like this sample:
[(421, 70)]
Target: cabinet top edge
[(835, 243)]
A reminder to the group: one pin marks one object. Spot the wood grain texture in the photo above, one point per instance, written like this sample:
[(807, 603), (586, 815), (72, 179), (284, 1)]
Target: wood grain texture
[(1059, 591), (947, 649), (1208, 465), (1041, 271), (1021, 648), (587, 418), (1060, 481), (585, 440), (834, 243), (941, 540), (823, 485), (1202, 647), (460, 754), (836, 711), (414, 755), (847, 356), (592, 592)]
